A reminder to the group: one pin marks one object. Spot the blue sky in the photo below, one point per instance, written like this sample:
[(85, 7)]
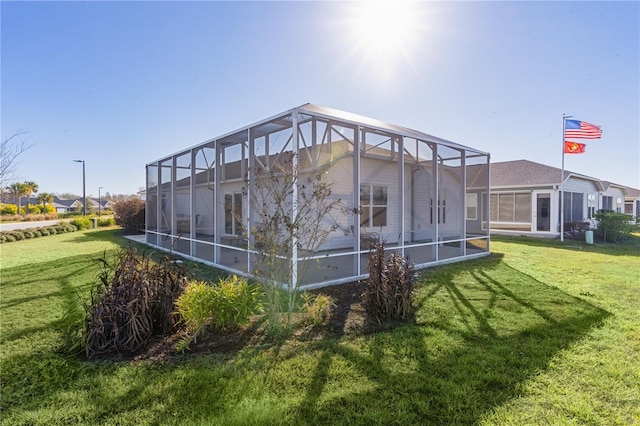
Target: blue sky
[(120, 84)]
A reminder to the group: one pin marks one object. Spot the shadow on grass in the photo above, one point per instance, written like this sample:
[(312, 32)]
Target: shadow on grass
[(492, 332), (481, 330), (630, 247), (102, 234)]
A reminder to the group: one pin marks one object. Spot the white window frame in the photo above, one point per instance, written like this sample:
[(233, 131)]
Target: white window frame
[(371, 206), (235, 230), (472, 202)]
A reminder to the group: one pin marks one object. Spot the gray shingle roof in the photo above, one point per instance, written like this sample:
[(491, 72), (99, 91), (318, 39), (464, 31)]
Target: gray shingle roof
[(529, 173)]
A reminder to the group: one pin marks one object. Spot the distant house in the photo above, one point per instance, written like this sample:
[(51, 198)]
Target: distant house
[(632, 202), (613, 197), (420, 193), (65, 206), (525, 198)]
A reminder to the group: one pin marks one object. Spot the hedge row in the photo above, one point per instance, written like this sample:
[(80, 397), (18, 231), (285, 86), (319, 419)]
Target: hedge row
[(24, 234)]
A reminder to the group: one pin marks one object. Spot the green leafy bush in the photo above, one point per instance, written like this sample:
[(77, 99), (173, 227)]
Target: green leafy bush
[(229, 303), (318, 309), (108, 221), (82, 222), (130, 215), (5, 237), (234, 302), (389, 289), (195, 307), (8, 209), (18, 235), (612, 226)]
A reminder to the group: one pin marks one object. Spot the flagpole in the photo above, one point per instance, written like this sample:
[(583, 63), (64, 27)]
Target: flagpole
[(564, 126)]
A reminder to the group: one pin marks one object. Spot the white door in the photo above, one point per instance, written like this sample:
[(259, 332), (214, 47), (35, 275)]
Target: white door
[(542, 211)]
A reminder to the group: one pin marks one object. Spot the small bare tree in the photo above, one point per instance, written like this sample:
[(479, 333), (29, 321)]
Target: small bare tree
[(292, 217), (10, 149)]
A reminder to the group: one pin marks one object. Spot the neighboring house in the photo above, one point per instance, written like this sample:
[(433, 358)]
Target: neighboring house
[(107, 205), (525, 198), (419, 193), (632, 202), (65, 206), (613, 197)]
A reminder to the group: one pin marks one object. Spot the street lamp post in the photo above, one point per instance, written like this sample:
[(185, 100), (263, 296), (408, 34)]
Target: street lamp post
[(99, 202), (84, 192)]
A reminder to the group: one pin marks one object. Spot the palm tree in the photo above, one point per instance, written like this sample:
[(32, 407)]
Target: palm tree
[(17, 191), (30, 188), (44, 198)]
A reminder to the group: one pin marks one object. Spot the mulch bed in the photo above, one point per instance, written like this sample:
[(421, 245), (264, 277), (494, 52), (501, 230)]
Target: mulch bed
[(349, 318)]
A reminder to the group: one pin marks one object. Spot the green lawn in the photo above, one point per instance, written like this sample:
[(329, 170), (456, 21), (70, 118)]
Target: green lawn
[(541, 332)]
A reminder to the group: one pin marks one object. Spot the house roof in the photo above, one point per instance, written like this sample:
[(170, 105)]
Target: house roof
[(284, 121), (529, 173), (633, 192), (608, 185)]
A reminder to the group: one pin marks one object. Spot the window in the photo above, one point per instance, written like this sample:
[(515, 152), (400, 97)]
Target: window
[(573, 206), (607, 203), (442, 207), (373, 205), (619, 205), (591, 206), (233, 214), (510, 207), (472, 206)]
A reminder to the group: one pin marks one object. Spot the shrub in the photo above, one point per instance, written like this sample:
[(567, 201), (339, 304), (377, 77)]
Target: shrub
[(18, 235), (8, 210), (130, 215), (389, 289), (134, 301), (195, 307), (82, 222), (70, 214), (7, 238), (108, 221), (70, 227), (318, 309), (229, 303), (613, 226), (234, 302)]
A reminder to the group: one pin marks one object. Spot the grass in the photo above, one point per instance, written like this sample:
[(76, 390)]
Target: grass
[(541, 332)]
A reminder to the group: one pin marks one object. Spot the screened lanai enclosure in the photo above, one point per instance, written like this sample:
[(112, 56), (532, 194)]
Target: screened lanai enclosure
[(301, 196)]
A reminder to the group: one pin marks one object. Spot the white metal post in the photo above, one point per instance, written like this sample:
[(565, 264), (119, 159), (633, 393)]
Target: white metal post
[(294, 203), (564, 121), (463, 170), (357, 133), (401, 202)]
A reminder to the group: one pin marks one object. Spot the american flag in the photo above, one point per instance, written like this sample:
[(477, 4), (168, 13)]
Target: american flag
[(581, 130)]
